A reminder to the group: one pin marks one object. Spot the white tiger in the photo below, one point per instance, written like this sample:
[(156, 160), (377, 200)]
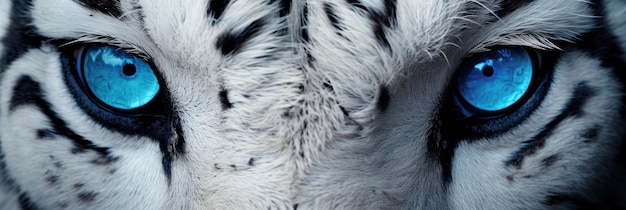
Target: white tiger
[(312, 104)]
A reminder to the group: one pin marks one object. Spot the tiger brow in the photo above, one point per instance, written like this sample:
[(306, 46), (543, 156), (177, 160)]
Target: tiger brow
[(509, 6), (108, 7)]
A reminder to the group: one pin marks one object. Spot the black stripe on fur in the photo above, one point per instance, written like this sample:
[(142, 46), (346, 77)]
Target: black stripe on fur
[(581, 94), (26, 203), (223, 95), (332, 16), (284, 5), (357, 4), (172, 146), (107, 7), (304, 21), (604, 45), (22, 35), (382, 20), (231, 42), (16, 43), (568, 201), (216, 9), (509, 6), (28, 92), (384, 98)]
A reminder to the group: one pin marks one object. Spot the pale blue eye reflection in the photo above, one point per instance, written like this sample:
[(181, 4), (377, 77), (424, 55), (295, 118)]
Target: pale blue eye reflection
[(118, 79), (497, 79)]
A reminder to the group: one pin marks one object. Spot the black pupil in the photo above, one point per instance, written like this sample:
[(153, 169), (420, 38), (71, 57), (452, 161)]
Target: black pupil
[(488, 71), (129, 69)]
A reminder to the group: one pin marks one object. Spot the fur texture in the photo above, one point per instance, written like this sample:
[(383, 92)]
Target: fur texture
[(313, 104)]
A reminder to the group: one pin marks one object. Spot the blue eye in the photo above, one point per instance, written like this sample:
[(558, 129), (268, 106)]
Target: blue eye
[(115, 78), (495, 80)]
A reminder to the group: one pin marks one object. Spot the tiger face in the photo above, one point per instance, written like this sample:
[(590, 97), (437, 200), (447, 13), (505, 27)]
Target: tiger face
[(312, 104)]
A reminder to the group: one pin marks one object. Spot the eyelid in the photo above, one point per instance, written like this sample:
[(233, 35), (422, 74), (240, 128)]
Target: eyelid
[(103, 40), (531, 41)]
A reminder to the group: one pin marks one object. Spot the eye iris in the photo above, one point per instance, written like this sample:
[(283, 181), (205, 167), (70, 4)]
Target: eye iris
[(496, 80), (117, 78)]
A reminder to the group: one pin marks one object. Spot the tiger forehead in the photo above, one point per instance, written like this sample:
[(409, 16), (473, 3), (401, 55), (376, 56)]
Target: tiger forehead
[(192, 31), (188, 28)]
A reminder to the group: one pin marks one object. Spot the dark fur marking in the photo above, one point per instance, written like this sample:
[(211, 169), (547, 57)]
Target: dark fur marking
[(231, 42), (26, 203), (332, 16), (357, 4), (390, 10), (22, 37), (108, 7), (304, 32), (591, 133), (304, 21), (509, 6), (573, 108), (217, 8), (63, 205), (603, 44), (180, 140), (310, 58), (550, 160), (45, 134), (142, 17), (56, 163), (172, 147), (434, 138), (287, 113), (344, 111), (570, 201), (445, 156), (383, 99), (78, 186), (28, 92), (223, 95), (383, 19), (301, 153), (295, 206), (87, 197), (284, 5), (251, 162), (328, 87), (305, 126), (379, 31), (53, 179)]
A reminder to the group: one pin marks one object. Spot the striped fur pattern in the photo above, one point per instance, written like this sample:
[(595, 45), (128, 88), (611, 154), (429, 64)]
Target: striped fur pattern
[(312, 104)]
